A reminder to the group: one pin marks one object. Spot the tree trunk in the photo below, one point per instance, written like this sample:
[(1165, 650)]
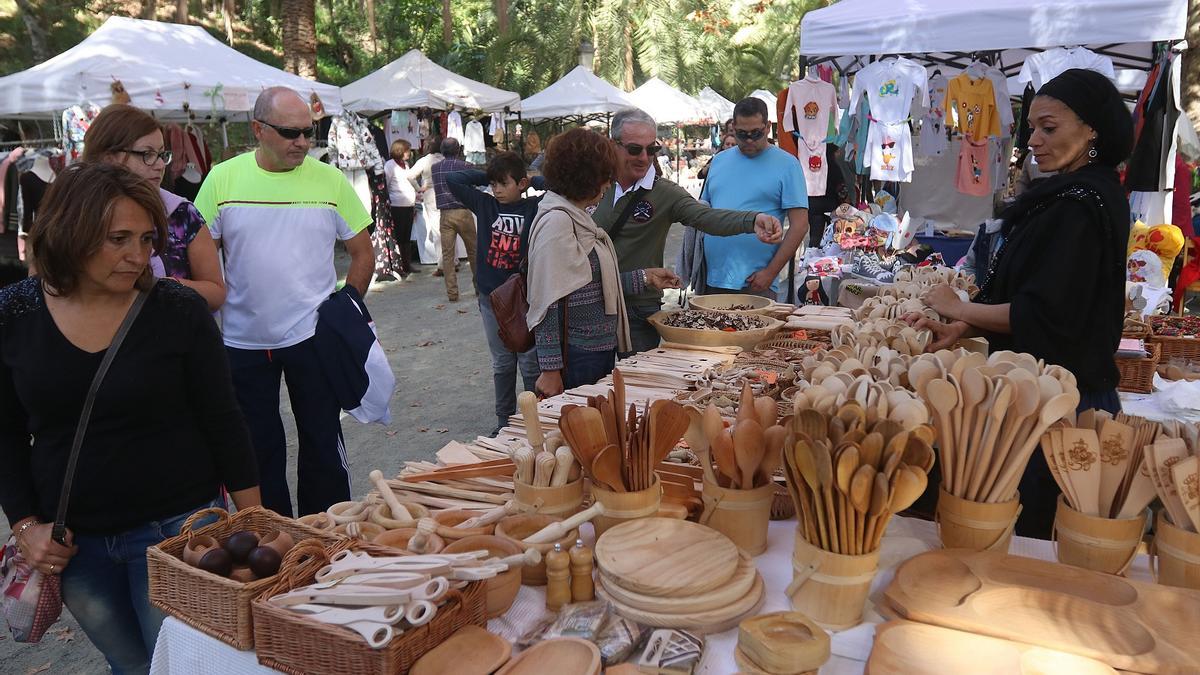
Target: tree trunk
[(447, 24), (501, 8), (1191, 66), (149, 9), (227, 10), (181, 11), (36, 28), (300, 37), (629, 56), (370, 6)]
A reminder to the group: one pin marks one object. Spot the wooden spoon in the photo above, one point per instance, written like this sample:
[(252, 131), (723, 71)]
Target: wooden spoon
[(812, 424), (982, 468), (746, 403), (847, 464), (871, 449), (726, 457), (804, 457), (1055, 409), (584, 430), (943, 396), (876, 511), (765, 411), (698, 441), (824, 464), (668, 423), (974, 391), (773, 440), (748, 448), (861, 486), (606, 468)]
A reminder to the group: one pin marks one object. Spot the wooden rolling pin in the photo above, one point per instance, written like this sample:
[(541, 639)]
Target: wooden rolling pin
[(398, 511), (556, 531)]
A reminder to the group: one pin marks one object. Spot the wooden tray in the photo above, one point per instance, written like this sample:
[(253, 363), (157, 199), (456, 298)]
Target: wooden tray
[(1127, 624), (906, 648), (560, 655), (666, 557), (470, 651), (737, 587), (711, 621)]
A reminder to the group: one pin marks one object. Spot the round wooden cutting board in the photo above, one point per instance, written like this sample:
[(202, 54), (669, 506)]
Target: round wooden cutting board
[(666, 557)]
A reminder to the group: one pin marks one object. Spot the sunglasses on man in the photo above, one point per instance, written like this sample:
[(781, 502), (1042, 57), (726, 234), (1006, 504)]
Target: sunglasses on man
[(634, 149), (290, 133), (743, 135)]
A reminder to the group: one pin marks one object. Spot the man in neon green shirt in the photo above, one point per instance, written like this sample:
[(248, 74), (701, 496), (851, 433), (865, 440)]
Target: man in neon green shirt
[(276, 214)]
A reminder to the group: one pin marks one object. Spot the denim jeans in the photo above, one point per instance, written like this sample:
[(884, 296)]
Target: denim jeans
[(642, 335), (106, 588), (584, 367), (505, 364)]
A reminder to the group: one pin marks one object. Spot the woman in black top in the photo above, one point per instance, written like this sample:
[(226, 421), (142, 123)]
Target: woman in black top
[(165, 432), (1056, 287)]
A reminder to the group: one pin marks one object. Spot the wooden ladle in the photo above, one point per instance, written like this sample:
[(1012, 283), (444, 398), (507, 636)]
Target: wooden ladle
[(606, 468)]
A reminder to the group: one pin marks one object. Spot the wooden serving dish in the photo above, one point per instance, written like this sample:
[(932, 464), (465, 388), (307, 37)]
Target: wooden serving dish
[(516, 528), (1127, 624), (783, 642), (735, 588), (666, 557), (502, 589), (746, 339), (470, 651), (709, 621), (906, 648), (560, 655)]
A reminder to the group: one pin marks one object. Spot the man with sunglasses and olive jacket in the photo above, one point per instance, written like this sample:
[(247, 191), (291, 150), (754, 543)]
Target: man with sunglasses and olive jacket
[(640, 207), (277, 214)]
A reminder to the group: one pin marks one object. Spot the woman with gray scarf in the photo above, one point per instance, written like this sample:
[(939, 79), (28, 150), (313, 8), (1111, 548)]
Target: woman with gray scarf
[(575, 290)]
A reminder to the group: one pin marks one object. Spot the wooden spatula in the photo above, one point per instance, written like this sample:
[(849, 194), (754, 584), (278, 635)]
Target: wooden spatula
[(1116, 442), (606, 468)]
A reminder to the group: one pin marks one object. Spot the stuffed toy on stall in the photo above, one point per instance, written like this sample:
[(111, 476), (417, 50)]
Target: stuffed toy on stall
[(814, 292), (1164, 241)]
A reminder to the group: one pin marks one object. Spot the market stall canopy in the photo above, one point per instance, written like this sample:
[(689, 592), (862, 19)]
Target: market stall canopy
[(413, 81), (770, 100), (578, 93), (719, 107), (949, 29), (668, 105), (162, 66)]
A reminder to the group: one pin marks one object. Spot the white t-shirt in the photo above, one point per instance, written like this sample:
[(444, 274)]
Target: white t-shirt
[(890, 86), (932, 139), (454, 126), (473, 138), (400, 190), (809, 106), (890, 156), (812, 160), (1044, 66)]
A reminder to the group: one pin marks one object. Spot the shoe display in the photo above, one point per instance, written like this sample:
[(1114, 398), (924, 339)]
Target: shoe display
[(868, 265)]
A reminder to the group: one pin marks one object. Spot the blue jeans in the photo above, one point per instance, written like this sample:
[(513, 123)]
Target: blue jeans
[(505, 364), (643, 336), (584, 367), (106, 588)]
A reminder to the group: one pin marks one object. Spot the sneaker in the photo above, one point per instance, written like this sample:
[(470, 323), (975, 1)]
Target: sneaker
[(868, 265)]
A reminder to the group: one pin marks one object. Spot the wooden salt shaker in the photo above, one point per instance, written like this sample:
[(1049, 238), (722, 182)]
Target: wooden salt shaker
[(558, 584), (582, 588)]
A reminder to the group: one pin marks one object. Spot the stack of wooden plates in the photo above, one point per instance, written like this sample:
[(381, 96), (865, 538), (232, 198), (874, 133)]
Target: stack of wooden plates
[(676, 574)]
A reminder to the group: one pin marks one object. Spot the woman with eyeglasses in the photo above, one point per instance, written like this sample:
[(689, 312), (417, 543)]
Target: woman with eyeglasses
[(128, 137)]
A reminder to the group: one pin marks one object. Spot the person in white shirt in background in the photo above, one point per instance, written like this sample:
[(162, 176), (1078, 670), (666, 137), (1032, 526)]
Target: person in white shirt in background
[(402, 195)]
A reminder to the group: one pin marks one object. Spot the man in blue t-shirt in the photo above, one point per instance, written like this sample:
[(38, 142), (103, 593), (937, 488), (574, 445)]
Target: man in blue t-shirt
[(755, 177)]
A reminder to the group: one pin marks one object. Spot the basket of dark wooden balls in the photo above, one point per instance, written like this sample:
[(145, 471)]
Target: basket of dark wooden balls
[(207, 575)]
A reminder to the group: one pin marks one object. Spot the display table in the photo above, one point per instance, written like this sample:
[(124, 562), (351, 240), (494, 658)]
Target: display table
[(182, 650)]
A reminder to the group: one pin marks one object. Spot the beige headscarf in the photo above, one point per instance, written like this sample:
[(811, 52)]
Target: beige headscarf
[(560, 239)]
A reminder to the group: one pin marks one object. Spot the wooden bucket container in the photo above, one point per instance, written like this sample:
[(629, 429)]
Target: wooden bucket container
[(622, 506), (561, 501), (1175, 554), (501, 589), (976, 525), (515, 528), (741, 515), (830, 588), (446, 521), (1106, 545)]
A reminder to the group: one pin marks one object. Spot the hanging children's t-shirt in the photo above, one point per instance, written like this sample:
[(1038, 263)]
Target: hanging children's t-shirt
[(1004, 107), (1042, 67), (810, 108), (454, 126), (1000, 151), (816, 171), (890, 85), (890, 151), (932, 140), (974, 104), (973, 169)]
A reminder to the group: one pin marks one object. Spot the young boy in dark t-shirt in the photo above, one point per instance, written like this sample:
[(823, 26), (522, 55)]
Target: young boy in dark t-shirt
[(502, 220)]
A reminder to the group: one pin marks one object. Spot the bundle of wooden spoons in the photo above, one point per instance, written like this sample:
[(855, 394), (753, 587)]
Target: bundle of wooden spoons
[(990, 414), (847, 477), (1173, 465), (1098, 463), (747, 454), (619, 447)]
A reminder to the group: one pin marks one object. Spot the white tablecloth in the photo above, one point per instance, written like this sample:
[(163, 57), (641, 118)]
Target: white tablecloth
[(182, 650)]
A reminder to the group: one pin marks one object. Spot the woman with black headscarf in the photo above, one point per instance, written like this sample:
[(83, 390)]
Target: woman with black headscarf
[(1055, 289)]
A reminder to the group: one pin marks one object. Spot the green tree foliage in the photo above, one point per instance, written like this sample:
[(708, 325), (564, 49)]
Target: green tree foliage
[(734, 46)]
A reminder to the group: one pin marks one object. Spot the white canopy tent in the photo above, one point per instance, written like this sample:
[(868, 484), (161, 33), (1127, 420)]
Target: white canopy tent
[(668, 105), (770, 100), (413, 81), (579, 93), (162, 66), (719, 107), (948, 30)]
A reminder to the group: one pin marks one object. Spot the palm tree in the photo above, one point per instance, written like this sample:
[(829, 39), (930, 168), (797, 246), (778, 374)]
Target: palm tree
[(300, 37)]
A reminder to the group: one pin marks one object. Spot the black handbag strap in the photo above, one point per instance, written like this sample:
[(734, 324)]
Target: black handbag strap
[(619, 224), (59, 533)]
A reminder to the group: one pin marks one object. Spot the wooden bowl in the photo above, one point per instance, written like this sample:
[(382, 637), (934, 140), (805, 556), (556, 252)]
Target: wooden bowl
[(722, 302), (501, 589), (368, 531), (446, 521), (746, 339), (197, 546), (399, 539), (515, 528)]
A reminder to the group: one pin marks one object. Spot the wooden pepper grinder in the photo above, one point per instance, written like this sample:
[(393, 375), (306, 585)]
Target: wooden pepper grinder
[(582, 589), (558, 583)]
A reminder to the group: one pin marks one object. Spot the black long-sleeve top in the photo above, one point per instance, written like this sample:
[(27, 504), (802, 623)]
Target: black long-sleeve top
[(165, 431)]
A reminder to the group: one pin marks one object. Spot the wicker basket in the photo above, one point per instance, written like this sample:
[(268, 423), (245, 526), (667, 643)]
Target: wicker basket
[(1177, 347), (209, 603), (794, 345), (1136, 329), (1137, 375), (295, 644)]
